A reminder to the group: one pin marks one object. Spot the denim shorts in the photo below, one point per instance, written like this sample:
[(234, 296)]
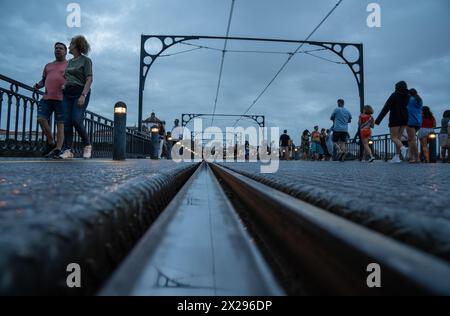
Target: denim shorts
[(47, 107)]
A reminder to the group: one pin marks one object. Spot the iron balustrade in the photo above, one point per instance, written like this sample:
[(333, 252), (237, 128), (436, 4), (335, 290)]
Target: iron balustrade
[(21, 135), (383, 147)]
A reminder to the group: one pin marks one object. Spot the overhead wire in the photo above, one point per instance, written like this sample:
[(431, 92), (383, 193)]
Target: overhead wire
[(288, 60), (222, 61)]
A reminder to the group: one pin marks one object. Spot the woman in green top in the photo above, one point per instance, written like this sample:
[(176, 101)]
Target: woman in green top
[(77, 91)]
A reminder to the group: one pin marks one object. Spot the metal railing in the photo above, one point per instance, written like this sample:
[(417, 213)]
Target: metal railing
[(383, 147), (21, 135)]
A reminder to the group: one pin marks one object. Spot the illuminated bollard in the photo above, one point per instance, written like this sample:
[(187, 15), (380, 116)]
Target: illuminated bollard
[(120, 126), (169, 147), (155, 142), (432, 147), (296, 154), (371, 143)]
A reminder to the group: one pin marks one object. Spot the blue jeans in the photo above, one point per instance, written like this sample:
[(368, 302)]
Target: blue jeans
[(74, 116)]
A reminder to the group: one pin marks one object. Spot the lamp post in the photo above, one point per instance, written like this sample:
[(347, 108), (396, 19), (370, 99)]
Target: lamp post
[(120, 125), (432, 147), (155, 138)]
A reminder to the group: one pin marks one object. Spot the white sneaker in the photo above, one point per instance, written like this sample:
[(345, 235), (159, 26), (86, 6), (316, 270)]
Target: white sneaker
[(67, 154), (395, 159), (404, 152), (87, 152)]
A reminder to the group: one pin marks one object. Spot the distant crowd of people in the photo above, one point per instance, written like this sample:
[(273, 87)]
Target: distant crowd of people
[(410, 123)]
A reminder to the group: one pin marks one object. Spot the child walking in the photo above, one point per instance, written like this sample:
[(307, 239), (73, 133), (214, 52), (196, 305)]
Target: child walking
[(366, 123)]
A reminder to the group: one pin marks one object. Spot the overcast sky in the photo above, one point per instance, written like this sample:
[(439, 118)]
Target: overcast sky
[(411, 45)]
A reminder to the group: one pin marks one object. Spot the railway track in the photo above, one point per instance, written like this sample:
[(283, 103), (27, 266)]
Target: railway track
[(225, 234)]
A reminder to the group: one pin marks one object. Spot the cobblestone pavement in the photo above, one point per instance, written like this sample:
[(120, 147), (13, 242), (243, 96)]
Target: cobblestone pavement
[(86, 211), (407, 202), (36, 187)]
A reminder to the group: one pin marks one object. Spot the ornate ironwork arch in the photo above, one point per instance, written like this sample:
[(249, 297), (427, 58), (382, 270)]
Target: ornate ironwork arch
[(187, 117), (147, 59)]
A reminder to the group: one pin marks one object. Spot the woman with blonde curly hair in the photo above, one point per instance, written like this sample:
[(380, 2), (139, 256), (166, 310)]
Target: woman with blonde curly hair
[(77, 91)]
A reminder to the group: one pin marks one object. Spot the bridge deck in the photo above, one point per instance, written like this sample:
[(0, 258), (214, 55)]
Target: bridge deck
[(197, 247), (407, 202)]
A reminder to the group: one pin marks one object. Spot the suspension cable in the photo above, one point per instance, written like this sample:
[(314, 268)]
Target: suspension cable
[(288, 60), (222, 61)]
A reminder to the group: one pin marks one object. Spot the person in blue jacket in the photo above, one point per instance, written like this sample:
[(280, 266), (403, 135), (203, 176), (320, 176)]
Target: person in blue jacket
[(415, 105)]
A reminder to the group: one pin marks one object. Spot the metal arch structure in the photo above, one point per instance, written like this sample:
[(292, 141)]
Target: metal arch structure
[(187, 117), (147, 59)]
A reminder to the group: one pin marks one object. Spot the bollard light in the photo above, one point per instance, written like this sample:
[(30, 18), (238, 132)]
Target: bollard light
[(120, 126), (154, 142), (432, 147), (120, 108)]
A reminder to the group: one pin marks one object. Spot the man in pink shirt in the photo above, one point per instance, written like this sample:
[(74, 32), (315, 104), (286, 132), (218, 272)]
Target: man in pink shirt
[(53, 80)]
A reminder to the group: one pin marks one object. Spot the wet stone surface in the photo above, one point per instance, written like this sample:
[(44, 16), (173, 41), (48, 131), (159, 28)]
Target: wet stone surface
[(34, 187), (86, 211), (407, 202)]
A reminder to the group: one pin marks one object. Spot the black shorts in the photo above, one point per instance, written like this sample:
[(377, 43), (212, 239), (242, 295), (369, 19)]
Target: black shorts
[(340, 137)]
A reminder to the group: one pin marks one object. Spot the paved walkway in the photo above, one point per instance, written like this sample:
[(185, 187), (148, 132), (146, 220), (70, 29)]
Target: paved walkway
[(408, 202), (86, 211), (36, 187)]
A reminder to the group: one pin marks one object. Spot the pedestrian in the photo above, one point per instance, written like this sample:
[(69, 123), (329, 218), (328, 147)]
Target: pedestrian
[(304, 147), (247, 150), (341, 117), (415, 105), (397, 107), (443, 136), (162, 137), (448, 137), (428, 125), (366, 123), (77, 92), (315, 143), (323, 144), (284, 145), (405, 142), (329, 142), (53, 80)]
